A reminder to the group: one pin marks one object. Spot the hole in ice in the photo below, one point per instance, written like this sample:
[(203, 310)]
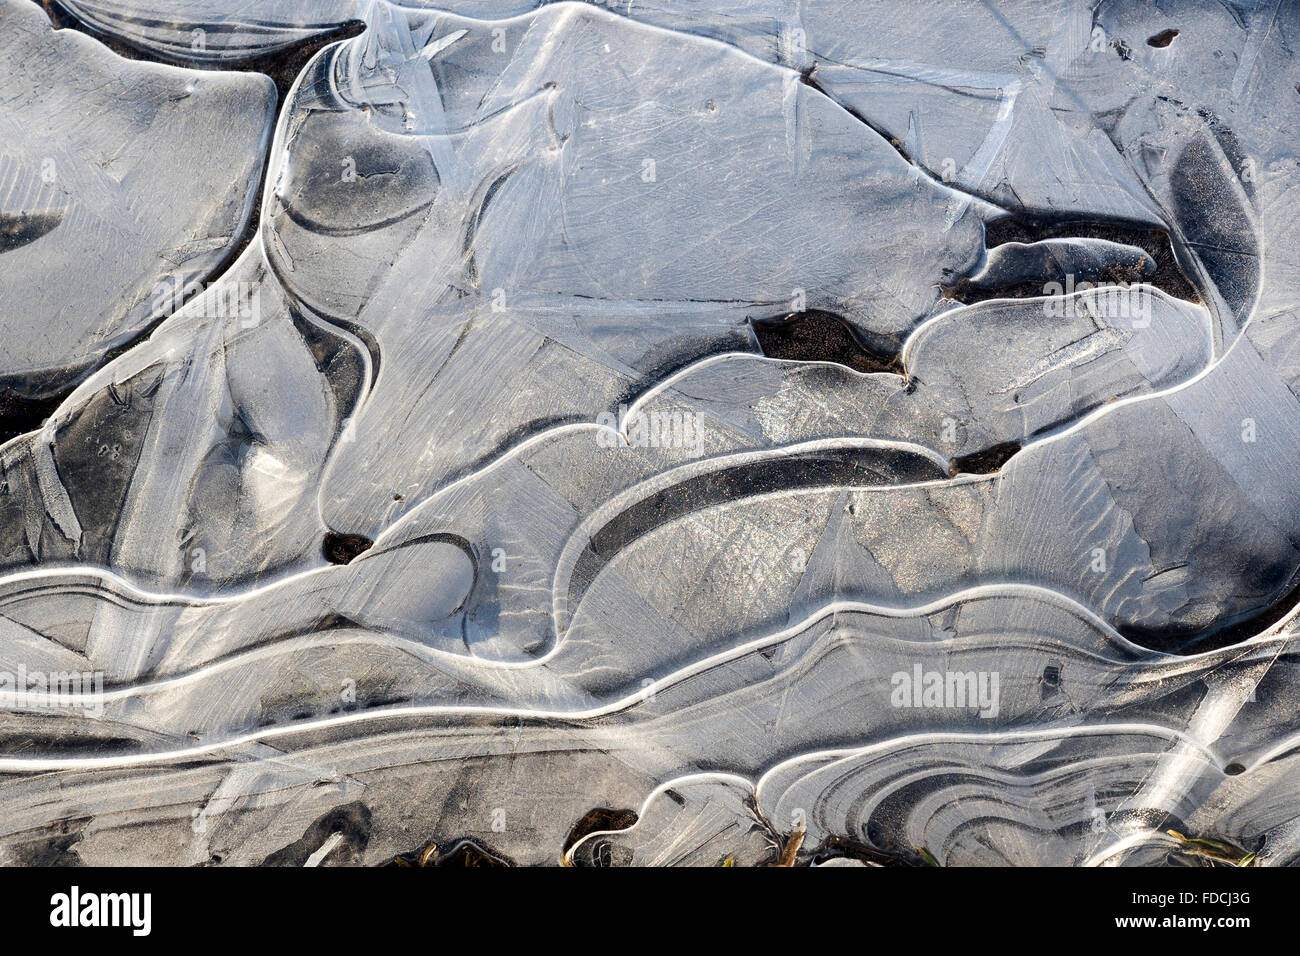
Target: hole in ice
[(816, 336), (344, 548), (984, 462), (596, 820)]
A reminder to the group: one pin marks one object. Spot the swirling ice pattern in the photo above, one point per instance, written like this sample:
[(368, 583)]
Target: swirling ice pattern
[(463, 451)]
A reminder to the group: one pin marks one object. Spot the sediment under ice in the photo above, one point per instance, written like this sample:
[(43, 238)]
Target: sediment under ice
[(672, 434)]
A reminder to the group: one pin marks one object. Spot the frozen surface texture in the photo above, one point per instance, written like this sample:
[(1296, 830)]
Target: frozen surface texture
[(691, 432)]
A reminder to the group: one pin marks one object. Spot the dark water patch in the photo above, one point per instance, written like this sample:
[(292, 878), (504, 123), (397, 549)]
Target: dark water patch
[(53, 845), (19, 415), (349, 826), (1215, 224), (984, 462), (26, 227), (1196, 640), (840, 848), (817, 336), (1168, 276), (461, 853), (599, 853), (71, 742), (344, 548)]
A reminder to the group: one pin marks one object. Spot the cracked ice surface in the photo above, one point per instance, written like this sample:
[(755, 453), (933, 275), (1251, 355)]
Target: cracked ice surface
[(650, 435)]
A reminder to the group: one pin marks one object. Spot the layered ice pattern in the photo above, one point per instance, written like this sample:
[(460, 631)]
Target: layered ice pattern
[(711, 432)]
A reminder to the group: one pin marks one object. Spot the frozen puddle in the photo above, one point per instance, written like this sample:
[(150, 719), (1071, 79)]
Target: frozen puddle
[(699, 435)]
